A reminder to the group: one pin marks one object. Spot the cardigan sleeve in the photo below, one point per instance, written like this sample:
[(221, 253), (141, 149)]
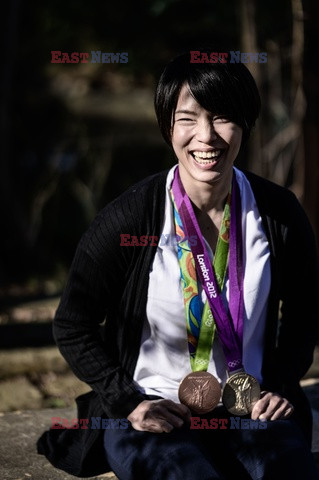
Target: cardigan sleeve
[(292, 332), (299, 292), (93, 293)]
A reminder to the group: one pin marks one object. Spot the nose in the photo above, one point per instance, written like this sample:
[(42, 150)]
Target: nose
[(206, 131)]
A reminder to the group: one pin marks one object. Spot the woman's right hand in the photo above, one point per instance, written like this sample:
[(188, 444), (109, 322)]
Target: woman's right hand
[(159, 416)]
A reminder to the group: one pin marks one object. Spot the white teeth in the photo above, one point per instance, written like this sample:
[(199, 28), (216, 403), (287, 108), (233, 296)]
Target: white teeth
[(204, 158), (203, 162), (211, 154)]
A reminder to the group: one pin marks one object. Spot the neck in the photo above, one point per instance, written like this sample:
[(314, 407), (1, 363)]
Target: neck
[(206, 196)]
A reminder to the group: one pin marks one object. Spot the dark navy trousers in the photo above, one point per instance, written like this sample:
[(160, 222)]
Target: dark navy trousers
[(278, 452)]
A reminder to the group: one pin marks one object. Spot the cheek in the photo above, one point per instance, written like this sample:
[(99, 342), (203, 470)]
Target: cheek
[(235, 139), (178, 138), (238, 139), (232, 136), (237, 134)]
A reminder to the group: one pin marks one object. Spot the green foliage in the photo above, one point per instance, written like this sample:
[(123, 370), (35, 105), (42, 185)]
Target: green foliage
[(69, 144)]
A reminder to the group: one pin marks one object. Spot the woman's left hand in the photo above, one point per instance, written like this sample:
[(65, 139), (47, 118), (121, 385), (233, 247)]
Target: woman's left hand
[(271, 406)]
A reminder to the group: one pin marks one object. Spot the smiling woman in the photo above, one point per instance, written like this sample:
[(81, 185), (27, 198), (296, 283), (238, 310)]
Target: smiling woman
[(193, 326), (203, 141), (206, 146), (226, 90)]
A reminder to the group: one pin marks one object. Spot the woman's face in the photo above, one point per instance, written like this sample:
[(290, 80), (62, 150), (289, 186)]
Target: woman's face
[(206, 146)]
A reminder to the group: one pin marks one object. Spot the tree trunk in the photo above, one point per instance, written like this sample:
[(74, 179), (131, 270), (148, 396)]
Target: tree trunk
[(311, 120)]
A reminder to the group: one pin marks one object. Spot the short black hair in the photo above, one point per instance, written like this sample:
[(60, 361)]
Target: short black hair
[(226, 89)]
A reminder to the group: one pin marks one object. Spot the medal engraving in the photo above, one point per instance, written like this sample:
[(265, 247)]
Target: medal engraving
[(240, 393), (200, 391)]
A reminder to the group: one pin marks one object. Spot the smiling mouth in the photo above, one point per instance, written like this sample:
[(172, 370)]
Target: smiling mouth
[(205, 158)]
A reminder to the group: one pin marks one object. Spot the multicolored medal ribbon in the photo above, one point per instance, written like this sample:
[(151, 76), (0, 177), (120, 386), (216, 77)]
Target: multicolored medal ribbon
[(229, 321), (199, 320), (200, 390)]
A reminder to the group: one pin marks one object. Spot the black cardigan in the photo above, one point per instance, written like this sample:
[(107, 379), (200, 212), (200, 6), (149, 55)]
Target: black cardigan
[(110, 281)]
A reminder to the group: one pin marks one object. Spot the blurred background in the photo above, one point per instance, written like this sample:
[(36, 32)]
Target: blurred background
[(74, 136)]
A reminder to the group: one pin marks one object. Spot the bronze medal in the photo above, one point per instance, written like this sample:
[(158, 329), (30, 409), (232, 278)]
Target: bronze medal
[(240, 393), (200, 392)]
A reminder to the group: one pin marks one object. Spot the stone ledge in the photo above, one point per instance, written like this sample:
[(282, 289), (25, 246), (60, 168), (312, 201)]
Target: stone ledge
[(25, 361), (36, 311), (19, 459)]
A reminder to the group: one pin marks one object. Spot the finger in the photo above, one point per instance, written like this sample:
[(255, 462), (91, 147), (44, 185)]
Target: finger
[(174, 420), (159, 426), (267, 406), (158, 415), (161, 412), (276, 403), (281, 407), (153, 425), (178, 408), (185, 412), (284, 411), (278, 412), (289, 411), (276, 408), (151, 422), (261, 406)]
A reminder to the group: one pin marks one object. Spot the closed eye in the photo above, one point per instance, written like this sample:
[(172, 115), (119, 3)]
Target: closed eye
[(220, 119), (187, 112)]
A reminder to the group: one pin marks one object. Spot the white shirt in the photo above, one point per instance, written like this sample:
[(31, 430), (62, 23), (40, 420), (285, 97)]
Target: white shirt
[(164, 357)]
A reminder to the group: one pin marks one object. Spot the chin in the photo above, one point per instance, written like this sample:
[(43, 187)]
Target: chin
[(208, 176)]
